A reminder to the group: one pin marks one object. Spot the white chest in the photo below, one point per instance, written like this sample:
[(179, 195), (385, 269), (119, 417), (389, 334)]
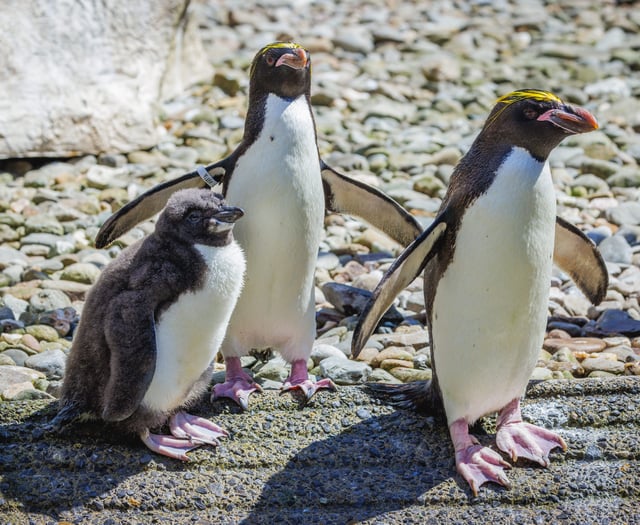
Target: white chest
[(278, 183), (190, 331), (490, 307)]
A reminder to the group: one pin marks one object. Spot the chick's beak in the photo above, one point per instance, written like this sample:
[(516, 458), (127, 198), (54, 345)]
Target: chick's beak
[(229, 214), (297, 58), (572, 119)]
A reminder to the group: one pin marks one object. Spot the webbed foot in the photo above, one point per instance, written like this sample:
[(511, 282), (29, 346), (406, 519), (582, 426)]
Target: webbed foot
[(238, 385), (475, 463), (299, 380), (523, 440)]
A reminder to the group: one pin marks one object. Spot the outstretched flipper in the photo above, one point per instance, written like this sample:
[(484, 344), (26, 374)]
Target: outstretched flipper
[(152, 201), (404, 270), (577, 255), (346, 195)]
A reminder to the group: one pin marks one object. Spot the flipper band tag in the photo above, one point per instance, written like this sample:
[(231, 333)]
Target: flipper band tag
[(205, 176)]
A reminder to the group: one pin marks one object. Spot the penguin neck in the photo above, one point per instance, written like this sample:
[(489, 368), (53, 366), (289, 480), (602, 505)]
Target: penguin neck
[(268, 109)]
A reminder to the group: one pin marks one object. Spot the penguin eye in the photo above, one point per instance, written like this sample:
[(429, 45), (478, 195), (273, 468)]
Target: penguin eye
[(194, 217), (270, 59), (530, 113)]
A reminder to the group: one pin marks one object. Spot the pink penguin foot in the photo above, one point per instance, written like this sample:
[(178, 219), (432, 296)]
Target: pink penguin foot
[(196, 429), (475, 463), (299, 380), (168, 445), (238, 385), (189, 432), (523, 440)]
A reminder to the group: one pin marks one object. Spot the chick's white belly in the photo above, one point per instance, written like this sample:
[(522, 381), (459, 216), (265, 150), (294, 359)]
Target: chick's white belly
[(190, 331)]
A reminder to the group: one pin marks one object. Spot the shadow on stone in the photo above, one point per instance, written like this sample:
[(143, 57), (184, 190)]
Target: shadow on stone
[(378, 465)]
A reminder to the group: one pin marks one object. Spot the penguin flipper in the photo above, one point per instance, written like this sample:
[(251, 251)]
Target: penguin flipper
[(404, 270), (151, 202), (346, 195), (133, 355), (578, 256)]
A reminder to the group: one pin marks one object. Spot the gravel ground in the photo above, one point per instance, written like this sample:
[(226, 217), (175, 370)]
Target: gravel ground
[(343, 459)]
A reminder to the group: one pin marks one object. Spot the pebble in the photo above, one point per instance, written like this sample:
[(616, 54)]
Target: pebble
[(344, 371), (50, 362)]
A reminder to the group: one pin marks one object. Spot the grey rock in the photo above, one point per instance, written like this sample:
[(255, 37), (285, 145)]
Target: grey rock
[(344, 371), (354, 38), (625, 213), (50, 362), (16, 355), (616, 249), (10, 256), (274, 370), (49, 299), (85, 273), (602, 364), (103, 177), (327, 260), (319, 352)]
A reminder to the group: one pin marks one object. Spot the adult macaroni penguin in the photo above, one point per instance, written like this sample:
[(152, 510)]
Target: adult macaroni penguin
[(487, 261)]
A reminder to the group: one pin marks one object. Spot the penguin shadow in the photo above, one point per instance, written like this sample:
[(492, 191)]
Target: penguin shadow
[(381, 464), (49, 472)]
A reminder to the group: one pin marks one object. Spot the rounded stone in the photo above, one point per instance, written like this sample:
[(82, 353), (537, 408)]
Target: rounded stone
[(345, 371), (407, 375), (575, 344), (43, 332), (85, 273), (51, 363), (48, 299)]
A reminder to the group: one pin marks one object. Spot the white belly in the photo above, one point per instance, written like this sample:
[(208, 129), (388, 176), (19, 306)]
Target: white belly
[(490, 308), (190, 331), (281, 193)]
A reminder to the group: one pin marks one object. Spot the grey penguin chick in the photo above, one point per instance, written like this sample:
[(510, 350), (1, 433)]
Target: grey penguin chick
[(153, 323)]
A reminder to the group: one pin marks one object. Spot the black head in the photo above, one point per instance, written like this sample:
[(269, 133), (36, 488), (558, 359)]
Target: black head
[(281, 68), (198, 216), (535, 120)]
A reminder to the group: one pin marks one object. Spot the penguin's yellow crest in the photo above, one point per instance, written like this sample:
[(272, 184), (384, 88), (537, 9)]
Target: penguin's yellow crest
[(533, 94)]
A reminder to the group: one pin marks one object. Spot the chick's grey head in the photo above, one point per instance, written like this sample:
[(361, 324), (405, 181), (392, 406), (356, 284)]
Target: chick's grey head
[(198, 216), (535, 120)]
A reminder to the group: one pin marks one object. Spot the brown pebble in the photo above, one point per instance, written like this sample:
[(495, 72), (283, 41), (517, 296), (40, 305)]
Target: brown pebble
[(575, 344), (31, 342), (393, 352), (389, 364), (368, 354), (559, 334)]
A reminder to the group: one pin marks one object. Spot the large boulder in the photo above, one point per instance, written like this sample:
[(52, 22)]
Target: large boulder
[(81, 76)]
